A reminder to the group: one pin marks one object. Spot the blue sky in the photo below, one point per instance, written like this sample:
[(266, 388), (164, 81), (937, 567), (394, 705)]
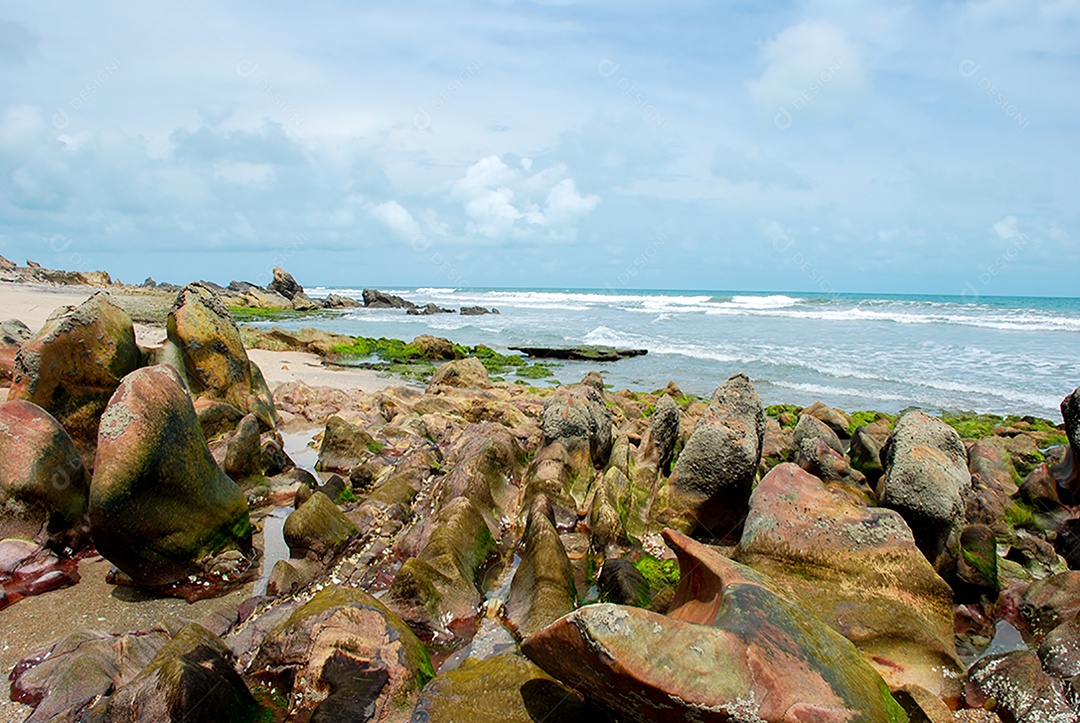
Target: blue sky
[(808, 146)]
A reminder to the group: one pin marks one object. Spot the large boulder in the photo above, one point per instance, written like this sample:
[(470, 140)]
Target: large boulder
[(348, 657), (190, 679), (858, 568), (730, 649), (375, 299), (284, 284), (440, 586), (577, 416), (463, 373), (159, 505), (344, 446), (215, 363), (43, 483), (318, 527), (483, 461), (13, 334), (507, 688), (926, 479), (80, 669), (543, 586), (715, 471), (72, 365)]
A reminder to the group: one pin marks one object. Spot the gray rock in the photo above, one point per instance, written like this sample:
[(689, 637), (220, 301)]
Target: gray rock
[(428, 310), (375, 299), (477, 311), (1021, 689), (579, 413), (926, 478), (714, 475), (334, 301), (817, 449), (664, 425), (284, 284)]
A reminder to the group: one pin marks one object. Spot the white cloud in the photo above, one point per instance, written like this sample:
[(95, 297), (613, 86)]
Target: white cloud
[(501, 202), (397, 218), (812, 66)]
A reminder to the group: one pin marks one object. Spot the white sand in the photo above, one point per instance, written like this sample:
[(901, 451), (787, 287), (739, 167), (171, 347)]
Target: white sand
[(31, 304)]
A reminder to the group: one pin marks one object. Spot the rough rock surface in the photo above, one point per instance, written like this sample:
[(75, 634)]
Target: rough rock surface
[(349, 656), (74, 363), (577, 415), (284, 284), (926, 478), (215, 362), (13, 334), (463, 373), (80, 669), (318, 527), (729, 649), (190, 679), (43, 483), (858, 568), (506, 688), (344, 445), (715, 471), (543, 586), (158, 503)]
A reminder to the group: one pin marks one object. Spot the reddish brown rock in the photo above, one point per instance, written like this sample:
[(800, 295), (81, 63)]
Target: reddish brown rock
[(730, 649), (345, 646), (72, 365), (43, 483), (159, 504), (858, 568)]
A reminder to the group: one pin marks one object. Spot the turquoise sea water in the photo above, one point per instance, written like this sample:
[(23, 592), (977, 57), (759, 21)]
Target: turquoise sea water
[(1006, 355)]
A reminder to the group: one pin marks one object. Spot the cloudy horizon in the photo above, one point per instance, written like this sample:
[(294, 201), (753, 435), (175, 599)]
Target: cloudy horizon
[(887, 147)]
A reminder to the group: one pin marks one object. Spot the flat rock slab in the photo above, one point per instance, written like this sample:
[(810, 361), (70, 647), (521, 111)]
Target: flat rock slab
[(580, 353)]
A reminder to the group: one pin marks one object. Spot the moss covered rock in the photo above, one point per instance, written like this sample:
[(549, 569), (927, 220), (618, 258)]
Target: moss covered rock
[(344, 445), (318, 527), (44, 486), (348, 656), (158, 503), (506, 688), (440, 585), (729, 649), (215, 363), (72, 365), (543, 586), (190, 679), (858, 568)]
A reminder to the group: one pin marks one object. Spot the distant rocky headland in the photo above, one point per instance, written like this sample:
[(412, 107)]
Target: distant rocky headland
[(476, 549)]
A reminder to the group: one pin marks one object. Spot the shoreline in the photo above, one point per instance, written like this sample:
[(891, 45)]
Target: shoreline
[(33, 303)]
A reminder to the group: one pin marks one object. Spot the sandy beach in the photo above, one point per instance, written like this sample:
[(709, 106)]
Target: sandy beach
[(32, 304), (36, 621)]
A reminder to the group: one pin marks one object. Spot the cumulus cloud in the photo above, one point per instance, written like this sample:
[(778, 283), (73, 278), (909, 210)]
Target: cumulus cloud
[(502, 202), (812, 66), (397, 218)]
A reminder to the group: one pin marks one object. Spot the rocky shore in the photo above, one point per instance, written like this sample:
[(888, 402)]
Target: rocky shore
[(476, 549)]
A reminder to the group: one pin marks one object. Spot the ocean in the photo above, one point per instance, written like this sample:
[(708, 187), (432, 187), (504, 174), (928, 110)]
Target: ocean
[(1000, 355)]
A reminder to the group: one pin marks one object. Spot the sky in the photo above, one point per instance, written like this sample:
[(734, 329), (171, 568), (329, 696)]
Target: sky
[(874, 146)]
